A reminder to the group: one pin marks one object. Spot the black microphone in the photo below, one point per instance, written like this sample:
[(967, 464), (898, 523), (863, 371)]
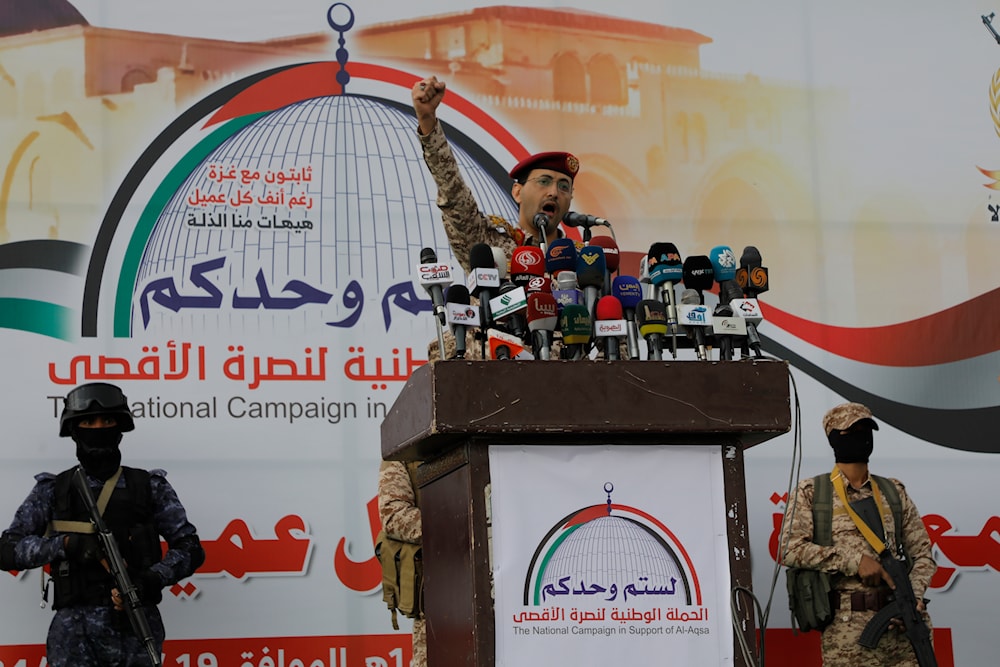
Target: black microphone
[(460, 315), (729, 291), (571, 219), (695, 318), (483, 279), (751, 275), (433, 277), (542, 223), (651, 316), (698, 275), (514, 321)]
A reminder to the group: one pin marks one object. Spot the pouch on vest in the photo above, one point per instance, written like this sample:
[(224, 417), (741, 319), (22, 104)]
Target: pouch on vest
[(809, 598), (402, 576)]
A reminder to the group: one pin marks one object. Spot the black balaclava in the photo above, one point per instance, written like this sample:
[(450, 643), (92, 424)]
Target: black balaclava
[(97, 449), (852, 446)]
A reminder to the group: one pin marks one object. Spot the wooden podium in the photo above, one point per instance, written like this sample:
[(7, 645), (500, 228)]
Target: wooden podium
[(451, 412)]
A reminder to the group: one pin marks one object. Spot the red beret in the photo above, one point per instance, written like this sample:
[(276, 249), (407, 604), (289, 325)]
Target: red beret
[(565, 163)]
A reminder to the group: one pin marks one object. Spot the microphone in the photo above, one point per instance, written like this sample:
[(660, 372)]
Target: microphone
[(508, 309), (725, 325), (566, 292), (723, 263), (560, 256), (538, 284), (575, 324), (609, 325), (590, 270), (542, 222), (483, 278), (652, 319), (665, 269), (612, 258), (526, 262), (628, 291), (543, 318), (699, 275), (694, 317), (571, 219), (460, 315), (434, 277), (751, 276), (746, 309), (500, 261), (502, 345)]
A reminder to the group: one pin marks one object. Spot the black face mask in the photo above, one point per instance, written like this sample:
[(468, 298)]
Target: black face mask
[(854, 446), (97, 450)]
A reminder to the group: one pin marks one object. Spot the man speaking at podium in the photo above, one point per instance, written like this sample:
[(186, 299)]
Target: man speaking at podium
[(543, 186)]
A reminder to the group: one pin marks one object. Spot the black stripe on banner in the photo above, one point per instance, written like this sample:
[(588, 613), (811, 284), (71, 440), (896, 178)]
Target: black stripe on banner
[(46, 254)]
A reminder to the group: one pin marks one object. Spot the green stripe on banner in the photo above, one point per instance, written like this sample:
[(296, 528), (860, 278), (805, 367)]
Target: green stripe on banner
[(537, 597), (39, 317), (151, 213)]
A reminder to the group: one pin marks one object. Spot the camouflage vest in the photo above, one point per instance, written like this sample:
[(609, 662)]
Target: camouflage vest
[(402, 569)]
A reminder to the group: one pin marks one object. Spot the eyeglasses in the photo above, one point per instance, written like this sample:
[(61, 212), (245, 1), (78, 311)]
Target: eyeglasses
[(544, 182)]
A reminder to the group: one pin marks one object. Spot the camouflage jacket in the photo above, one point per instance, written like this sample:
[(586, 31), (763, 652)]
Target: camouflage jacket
[(848, 544)]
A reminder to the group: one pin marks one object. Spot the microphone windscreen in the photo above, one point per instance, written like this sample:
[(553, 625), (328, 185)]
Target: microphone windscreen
[(575, 324), (664, 263), (428, 256), (699, 274), (628, 290), (729, 290), (457, 293), (538, 284), (481, 257), (608, 308), (651, 317), (573, 219), (560, 256), (527, 260), (590, 266), (751, 258), (500, 260), (723, 262), (689, 297), (612, 259), (543, 312)]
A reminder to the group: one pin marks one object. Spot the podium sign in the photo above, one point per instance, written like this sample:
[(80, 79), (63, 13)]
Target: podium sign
[(612, 550)]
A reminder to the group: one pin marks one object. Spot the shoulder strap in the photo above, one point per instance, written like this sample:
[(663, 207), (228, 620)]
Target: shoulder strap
[(891, 495), (822, 510), (64, 526)]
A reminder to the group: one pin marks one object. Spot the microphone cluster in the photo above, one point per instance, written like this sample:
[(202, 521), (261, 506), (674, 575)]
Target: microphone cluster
[(564, 302)]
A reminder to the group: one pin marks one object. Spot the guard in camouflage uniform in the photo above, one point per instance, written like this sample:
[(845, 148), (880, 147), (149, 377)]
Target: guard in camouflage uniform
[(52, 527), (860, 584)]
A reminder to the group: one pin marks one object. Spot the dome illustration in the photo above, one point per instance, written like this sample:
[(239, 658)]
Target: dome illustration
[(322, 198), (22, 16), (616, 550)]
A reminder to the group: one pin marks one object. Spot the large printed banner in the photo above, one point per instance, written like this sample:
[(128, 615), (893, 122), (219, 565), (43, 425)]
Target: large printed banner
[(627, 562), (220, 207)]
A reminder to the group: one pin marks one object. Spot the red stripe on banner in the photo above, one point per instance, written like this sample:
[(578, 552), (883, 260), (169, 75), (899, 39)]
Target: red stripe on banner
[(957, 333), (787, 648), (330, 651), (320, 80)]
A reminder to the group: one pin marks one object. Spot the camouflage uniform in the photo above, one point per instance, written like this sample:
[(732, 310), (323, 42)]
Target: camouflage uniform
[(97, 635), (839, 642)]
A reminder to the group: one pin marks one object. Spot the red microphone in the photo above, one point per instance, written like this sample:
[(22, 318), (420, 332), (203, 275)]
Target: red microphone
[(526, 262), (610, 325), (543, 317), (611, 257)]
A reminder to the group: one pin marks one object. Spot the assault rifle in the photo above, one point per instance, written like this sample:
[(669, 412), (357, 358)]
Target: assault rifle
[(902, 605), (116, 565)]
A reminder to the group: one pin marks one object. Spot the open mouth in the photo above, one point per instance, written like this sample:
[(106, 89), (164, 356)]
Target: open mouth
[(549, 209)]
